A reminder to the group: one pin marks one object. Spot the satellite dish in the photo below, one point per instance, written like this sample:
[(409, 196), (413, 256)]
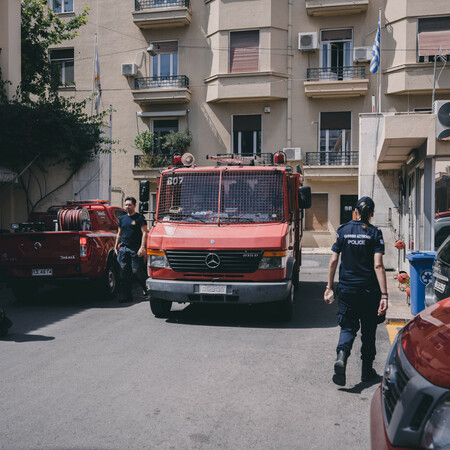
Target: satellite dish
[(188, 159)]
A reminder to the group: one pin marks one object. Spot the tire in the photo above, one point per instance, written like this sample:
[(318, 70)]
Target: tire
[(160, 308), (109, 283), (25, 292), (286, 306)]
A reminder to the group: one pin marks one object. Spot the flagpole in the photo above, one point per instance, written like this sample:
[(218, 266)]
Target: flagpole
[(379, 67), (93, 74)]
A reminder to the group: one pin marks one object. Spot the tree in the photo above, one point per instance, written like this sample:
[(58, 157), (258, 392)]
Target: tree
[(40, 128)]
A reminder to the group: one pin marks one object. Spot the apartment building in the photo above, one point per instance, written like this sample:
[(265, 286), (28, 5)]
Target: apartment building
[(263, 75)]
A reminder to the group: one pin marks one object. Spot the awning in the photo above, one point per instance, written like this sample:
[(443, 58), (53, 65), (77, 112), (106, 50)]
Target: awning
[(6, 175)]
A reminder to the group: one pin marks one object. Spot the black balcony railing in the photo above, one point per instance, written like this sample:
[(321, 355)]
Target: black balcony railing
[(155, 160), (180, 81), (336, 73), (153, 4), (332, 158)]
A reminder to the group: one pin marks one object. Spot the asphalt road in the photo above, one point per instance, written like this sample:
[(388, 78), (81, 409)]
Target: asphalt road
[(79, 372)]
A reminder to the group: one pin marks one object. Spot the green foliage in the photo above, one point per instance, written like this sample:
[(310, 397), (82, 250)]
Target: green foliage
[(149, 143), (177, 141), (40, 29)]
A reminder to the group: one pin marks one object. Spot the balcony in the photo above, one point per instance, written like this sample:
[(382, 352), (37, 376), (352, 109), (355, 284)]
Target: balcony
[(335, 7), (332, 165), (336, 82), (167, 89), (161, 13), (252, 86), (152, 167)]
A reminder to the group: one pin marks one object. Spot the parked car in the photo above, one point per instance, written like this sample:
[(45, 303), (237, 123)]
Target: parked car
[(439, 288), (411, 407), (441, 230)]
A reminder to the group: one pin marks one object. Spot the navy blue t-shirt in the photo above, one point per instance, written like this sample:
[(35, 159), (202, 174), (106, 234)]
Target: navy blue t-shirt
[(131, 230), (357, 248)]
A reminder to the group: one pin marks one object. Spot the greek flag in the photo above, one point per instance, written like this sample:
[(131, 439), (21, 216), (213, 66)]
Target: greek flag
[(375, 63)]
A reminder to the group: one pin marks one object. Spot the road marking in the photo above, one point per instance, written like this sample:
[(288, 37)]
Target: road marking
[(393, 328)]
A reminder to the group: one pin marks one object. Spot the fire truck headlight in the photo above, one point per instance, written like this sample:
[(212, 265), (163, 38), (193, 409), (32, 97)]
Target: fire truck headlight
[(273, 260), (156, 259)]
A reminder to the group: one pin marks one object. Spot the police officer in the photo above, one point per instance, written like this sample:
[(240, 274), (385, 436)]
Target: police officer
[(362, 289), (132, 236)]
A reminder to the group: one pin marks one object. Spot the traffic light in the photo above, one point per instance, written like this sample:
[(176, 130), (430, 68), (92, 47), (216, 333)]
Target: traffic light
[(144, 191)]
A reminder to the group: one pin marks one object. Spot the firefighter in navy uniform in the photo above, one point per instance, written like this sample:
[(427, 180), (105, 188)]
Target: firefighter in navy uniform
[(362, 290)]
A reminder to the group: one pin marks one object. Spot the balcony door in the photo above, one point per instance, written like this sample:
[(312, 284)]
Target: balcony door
[(165, 64), (335, 138), (247, 134), (336, 53)]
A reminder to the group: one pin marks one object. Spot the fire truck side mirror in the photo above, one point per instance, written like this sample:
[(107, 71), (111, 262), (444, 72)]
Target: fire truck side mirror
[(143, 207), (304, 197), (144, 191)]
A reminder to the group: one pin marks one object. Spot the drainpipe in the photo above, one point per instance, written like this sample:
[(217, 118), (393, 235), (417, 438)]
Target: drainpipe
[(289, 80)]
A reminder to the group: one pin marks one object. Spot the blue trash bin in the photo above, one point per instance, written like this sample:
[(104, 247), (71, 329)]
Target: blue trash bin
[(421, 273)]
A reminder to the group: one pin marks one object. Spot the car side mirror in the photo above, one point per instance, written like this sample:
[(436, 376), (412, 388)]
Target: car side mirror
[(304, 197)]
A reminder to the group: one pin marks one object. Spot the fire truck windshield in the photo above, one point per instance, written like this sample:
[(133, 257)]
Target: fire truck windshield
[(239, 197)]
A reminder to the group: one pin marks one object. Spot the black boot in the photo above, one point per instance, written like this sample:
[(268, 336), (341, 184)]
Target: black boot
[(368, 373), (339, 368), (127, 296)]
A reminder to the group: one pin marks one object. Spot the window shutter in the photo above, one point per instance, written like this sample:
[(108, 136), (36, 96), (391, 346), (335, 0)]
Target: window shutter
[(434, 36), (163, 48), (244, 51)]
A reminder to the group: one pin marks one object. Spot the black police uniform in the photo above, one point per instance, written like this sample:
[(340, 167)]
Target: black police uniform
[(358, 290)]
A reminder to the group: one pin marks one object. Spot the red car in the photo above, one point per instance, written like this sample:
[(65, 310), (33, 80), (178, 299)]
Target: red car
[(411, 408)]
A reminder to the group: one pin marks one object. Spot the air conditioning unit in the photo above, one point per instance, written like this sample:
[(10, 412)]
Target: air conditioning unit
[(308, 41), (362, 54), (129, 70), (442, 110), (293, 154)]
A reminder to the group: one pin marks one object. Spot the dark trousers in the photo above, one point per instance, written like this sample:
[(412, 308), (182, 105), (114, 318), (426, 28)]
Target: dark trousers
[(131, 265), (358, 307)]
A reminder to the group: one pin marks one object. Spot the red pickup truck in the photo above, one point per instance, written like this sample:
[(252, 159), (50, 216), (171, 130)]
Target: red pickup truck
[(71, 242)]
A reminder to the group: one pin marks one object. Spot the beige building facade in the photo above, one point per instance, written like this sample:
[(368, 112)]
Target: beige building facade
[(259, 76)]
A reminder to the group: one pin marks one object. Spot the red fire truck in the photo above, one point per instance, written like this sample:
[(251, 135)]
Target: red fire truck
[(229, 233)]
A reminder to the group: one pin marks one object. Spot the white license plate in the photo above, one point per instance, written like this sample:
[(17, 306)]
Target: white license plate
[(212, 289), (439, 286), (41, 272)]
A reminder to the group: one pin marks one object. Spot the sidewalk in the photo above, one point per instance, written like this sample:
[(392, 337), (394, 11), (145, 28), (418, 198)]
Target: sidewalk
[(399, 311)]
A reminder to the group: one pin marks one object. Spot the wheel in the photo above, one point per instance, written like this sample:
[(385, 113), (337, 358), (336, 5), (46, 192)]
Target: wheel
[(160, 308), (108, 284), (25, 291), (286, 306)]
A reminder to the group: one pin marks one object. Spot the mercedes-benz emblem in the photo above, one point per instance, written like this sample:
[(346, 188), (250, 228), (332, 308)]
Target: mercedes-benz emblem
[(212, 260), (37, 245)]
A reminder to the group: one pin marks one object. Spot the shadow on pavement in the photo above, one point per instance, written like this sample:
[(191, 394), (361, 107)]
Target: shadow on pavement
[(310, 311), (15, 337), (358, 388)]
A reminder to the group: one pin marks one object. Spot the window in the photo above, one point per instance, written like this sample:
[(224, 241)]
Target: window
[(162, 128), (335, 137), (336, 52), (65, 61), (165, 64), (433, 38), (244, 51), (316, 218), (61, 6), (247, 134)]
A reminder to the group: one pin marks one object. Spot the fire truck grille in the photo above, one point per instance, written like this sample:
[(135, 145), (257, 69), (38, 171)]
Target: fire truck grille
[(214, 261)]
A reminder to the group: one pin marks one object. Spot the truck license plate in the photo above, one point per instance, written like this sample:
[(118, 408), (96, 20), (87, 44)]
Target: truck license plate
[(439, 286), (41, 272), (212, 289)]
